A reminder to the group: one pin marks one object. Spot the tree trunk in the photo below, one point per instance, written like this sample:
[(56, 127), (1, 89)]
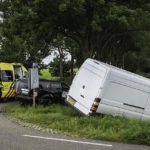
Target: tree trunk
[(60, 62), (72, 63), (86, 51)]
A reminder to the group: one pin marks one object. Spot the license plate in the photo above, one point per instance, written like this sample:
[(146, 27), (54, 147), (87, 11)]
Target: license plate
[(25, 91), (72, 101)]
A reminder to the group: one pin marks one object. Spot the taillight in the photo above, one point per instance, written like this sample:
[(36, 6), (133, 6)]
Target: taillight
[(97, 100), (95, 105)]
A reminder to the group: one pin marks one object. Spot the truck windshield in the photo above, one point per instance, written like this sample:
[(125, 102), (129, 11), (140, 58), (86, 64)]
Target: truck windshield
[(18, 72), (6, 76), (26, 74)]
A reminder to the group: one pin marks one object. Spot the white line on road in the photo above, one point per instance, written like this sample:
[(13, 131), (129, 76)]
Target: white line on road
[(65, 140)]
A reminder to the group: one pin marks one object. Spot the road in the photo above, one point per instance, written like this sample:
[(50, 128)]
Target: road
[(16, 137)]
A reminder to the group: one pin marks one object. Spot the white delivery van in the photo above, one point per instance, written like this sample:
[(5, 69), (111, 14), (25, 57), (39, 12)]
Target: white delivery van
[(105, 89)]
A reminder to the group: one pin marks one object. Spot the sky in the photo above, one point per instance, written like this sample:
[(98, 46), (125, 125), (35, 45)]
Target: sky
[(1, 13), (0, 16), (50, 58)]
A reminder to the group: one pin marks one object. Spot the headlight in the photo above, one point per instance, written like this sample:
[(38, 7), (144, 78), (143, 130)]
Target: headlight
[(25, 91)]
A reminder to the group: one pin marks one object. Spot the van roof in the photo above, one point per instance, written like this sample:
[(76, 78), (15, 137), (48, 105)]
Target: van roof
[(9, 66), (123, 72)]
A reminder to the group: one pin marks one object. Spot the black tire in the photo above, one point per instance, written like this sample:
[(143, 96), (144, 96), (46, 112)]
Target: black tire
[(44, 100), (22, 103)]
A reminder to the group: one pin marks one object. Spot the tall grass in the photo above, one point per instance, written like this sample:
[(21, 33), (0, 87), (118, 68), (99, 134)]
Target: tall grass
[(45, 74), (65, 120)]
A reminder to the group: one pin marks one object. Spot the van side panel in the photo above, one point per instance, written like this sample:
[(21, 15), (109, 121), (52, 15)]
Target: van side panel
[(126, 95), (129, 81), (122, 97), (146, 113)]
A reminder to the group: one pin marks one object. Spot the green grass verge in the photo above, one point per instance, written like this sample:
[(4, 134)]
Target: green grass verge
[(64, 119), (45, 74)]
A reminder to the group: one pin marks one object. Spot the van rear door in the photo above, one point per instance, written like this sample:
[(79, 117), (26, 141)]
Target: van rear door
[(86, 86)]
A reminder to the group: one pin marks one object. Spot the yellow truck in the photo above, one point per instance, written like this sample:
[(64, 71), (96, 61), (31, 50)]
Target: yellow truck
[(9, 73)]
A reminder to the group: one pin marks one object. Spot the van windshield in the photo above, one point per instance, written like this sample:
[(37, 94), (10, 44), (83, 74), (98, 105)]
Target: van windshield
[(6, 76)]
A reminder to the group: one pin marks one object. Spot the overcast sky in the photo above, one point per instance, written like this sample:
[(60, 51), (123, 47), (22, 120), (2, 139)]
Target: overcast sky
[(0, 16), (50, 58)]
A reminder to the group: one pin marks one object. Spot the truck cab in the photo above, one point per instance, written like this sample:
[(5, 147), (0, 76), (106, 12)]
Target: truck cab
[(9, 72)]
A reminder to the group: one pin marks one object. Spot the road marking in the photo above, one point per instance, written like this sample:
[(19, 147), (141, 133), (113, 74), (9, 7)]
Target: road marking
[(65, 140)]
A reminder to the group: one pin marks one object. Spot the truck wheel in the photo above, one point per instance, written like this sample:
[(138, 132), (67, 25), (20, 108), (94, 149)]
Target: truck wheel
[(22, 103), (44, 100)]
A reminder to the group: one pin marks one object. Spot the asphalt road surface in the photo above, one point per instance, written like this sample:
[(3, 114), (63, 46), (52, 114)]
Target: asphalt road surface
[(16, 137)]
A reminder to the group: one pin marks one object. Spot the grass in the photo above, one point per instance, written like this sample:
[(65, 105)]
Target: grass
[(45, 74), (64, 119)]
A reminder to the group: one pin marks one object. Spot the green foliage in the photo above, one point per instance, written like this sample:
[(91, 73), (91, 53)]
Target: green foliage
[(65, 120), (147, 75), (55, 65), (109, 31), (24, 39), (45, 74)]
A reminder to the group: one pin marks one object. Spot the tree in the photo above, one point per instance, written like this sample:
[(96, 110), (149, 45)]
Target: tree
[(24, 38), (72, 48), (100, 27), (54, 68), (59, 44), (103, 29)]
